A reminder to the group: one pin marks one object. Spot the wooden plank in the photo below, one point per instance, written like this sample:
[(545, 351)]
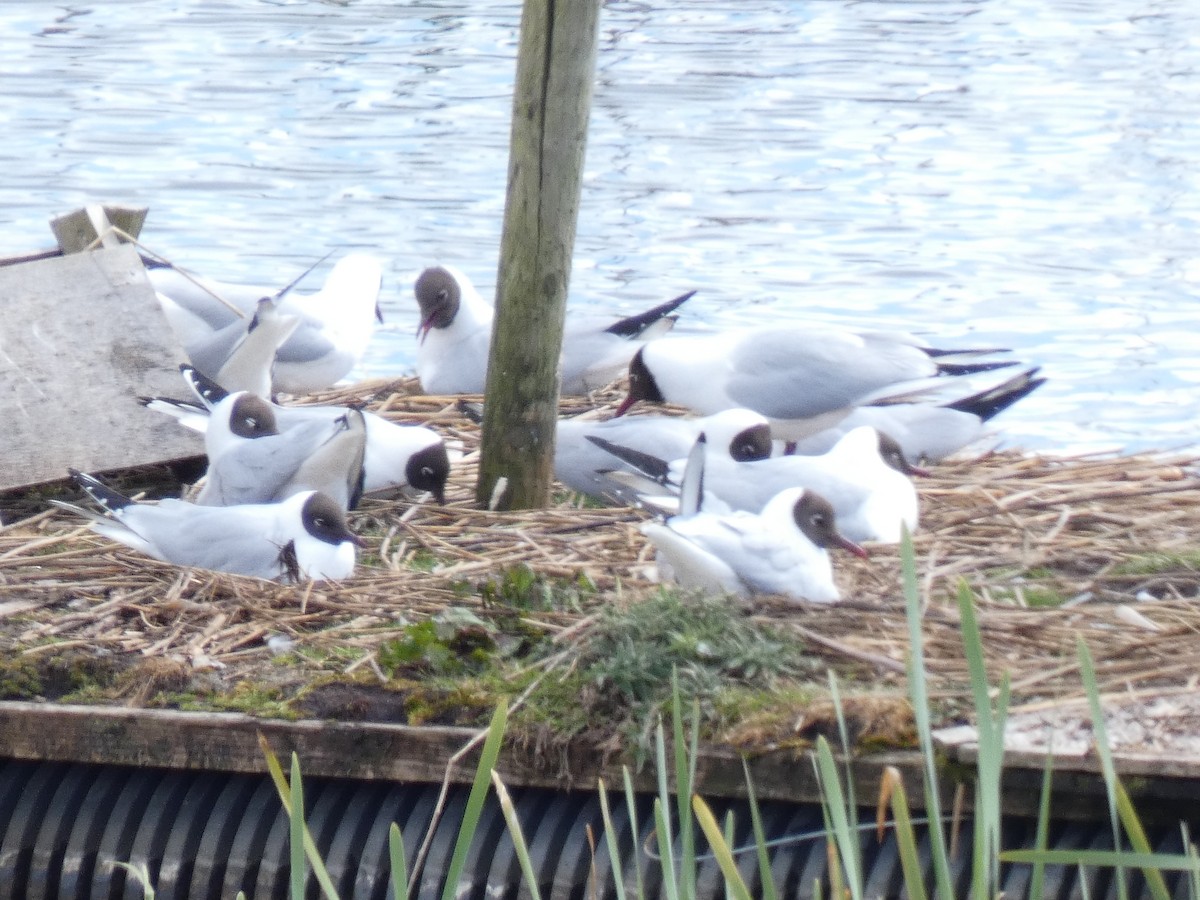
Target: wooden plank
[(551, 104), (82, 229), (81, 337), (228, 742)]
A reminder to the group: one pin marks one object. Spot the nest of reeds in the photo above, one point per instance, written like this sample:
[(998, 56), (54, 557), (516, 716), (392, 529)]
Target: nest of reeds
[(1106, 548)]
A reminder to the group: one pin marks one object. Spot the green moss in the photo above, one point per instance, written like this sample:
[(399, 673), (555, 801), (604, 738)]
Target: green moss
[(1034, 588), (454, 642), (1033, 596), (1040, 572), (54, 676), (1042, 597), (567, 706), (332, 658), (252, 698), (576, 500), (401, 701), (739, 702), (422, 561), (621, 679), (20, 679), (1157, 563), (521, 588), (466, 703)]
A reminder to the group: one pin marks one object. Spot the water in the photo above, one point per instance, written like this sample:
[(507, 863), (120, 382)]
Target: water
[(1013, 172)]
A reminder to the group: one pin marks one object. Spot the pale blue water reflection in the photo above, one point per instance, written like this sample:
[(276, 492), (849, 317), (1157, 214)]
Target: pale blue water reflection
[(1006, 172)]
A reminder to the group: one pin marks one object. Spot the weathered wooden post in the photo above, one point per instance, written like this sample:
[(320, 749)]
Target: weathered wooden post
[(555, 69)]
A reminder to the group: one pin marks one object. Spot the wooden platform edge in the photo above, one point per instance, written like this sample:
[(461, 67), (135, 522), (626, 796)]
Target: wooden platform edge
[(364, 750), (229, 742)]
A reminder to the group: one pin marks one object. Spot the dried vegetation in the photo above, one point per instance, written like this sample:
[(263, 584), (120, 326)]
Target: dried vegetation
[(1104, 547)]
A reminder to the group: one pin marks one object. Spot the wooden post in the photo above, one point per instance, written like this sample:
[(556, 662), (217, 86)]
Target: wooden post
[(555, 69), (91, 227)]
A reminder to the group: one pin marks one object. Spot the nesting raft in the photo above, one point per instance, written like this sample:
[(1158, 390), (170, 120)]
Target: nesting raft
[(1113, 542)]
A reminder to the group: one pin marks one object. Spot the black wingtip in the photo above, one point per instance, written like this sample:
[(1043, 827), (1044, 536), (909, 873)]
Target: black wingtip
[(995, 400), (934, 352), (153, 262), (110, 499), (632, 326), (202, 386), (973, 368), (651, 466), (471, 410)]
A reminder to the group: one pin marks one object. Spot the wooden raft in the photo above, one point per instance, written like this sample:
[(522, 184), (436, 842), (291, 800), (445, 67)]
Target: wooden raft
[(82, 336)]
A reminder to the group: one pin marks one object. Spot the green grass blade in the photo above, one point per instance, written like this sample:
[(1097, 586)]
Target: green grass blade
[(985, 871), (1037, 876), (892, 786), (666, 852), (275, 770), (630, 799), (919, 694), (399, 863), (479, 791), (855, 863), (298, 872), (610, 838), (730, 837), (283, 789), (685, 774), (720, 849), (663, 833), (518, 836), (843, 833), (1138, 841), (760, 838), (1087, 671)]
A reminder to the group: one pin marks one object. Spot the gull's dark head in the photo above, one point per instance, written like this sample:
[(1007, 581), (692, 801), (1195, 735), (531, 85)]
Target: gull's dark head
[(642, 385), (439, 295), (252, 417), (814, 517), (324, 519), (428, 469)]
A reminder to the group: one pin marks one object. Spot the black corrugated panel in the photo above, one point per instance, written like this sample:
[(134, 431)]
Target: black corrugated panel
[(207, 835)]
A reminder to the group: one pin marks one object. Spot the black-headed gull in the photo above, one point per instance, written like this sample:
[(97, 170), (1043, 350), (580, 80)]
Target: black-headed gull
[(456, 331), (930, 432), (397, 457), (304, 537), (782, 550), (251, 461), (336, 322), (864, 477), (803, 379), (241, 356), (584, 466)]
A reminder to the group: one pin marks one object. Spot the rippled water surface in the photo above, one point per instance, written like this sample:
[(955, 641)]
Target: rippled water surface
[(1011, 172)]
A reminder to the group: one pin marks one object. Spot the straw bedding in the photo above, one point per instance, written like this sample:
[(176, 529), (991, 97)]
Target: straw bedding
[(1111, 541)]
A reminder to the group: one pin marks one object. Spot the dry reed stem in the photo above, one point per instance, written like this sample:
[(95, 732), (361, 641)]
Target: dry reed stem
[(1014, 528)]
